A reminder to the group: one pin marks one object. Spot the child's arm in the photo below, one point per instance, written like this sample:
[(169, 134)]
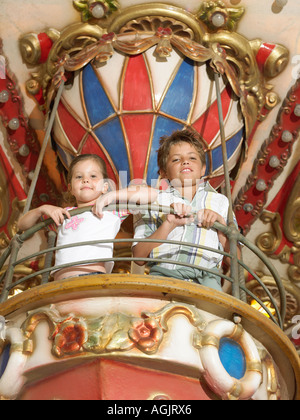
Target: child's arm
[(180, 218), (132, 195), (33, 216)]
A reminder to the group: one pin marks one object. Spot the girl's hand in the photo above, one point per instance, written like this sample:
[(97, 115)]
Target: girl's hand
[(103, 201), (55, 213)]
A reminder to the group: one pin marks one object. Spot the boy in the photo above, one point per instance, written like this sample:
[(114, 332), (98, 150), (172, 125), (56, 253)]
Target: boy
[(181, 160)]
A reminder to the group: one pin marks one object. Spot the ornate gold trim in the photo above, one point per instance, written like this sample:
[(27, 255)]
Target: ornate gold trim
[(157, 10), (220, 304), (255, 93), (74, 335), (291, 218)]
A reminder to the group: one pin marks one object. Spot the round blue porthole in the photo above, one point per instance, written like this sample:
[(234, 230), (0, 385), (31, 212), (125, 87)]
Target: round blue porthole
[(232, 357)]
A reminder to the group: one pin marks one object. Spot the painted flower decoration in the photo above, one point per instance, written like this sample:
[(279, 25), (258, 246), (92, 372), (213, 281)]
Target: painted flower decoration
[(146, 334), (69, 336)]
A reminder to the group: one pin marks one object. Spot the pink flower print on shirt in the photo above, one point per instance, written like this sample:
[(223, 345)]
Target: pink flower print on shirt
[(74, 223)]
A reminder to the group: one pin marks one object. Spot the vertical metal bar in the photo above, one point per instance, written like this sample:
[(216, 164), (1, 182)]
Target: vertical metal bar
[(242, 281), (49, 255), (43, 148), (233, 231), (16, 245)]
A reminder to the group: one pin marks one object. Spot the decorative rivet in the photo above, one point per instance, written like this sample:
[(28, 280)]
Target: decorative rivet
[(274, 162), (261, 185), (248, 207), (98, 11), (14, 124), (287, 136), (297, 110), (24, 150), (4, 96), (31, 175), (218, 20)]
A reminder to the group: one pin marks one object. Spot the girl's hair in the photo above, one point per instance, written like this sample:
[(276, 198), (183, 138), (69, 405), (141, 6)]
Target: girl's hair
[(68, 198), (187, 136), (80, 158)]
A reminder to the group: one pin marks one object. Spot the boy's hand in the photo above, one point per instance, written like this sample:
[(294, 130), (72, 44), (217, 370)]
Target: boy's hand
[(181, 215), (206, 218)]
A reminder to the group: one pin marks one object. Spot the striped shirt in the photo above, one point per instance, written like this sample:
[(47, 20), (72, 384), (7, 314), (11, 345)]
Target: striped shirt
[(205, 198)]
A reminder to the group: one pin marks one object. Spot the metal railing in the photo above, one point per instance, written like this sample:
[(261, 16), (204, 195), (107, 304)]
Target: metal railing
[(237, 278)]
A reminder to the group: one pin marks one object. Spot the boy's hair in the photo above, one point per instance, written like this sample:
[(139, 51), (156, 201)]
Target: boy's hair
[(187, 136), (80, 158)]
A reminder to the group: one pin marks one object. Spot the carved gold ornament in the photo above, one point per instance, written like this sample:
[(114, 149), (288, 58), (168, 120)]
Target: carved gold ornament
[(207, 35), (288, 228), (292, 297), (73, 335)]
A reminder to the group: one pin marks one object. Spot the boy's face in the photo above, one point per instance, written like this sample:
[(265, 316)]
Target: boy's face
[(183, 166)]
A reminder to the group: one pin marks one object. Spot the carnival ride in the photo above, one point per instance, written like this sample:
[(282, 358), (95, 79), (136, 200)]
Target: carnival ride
[(100, 337)]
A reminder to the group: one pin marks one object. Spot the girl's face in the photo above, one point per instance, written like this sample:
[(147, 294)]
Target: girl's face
[(87, 183)]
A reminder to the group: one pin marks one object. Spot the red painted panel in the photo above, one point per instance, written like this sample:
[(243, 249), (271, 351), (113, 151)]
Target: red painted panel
[(138, 130), (208, 124), (137, 383), (80, 383), (72, 128), (110, 380), (137, 91)]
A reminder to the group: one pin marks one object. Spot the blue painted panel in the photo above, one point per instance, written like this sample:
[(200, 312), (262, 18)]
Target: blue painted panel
[(163, 127), (97, 103), (110, 135), (178, 99), (231, 146), (4, 359), (232, 357)]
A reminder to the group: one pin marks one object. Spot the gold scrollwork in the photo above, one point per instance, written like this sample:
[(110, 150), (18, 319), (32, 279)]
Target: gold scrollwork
[(73, 335), (269, 242), (291, 219), (292, 296), (4, 196), (30, 46), (240, 52)]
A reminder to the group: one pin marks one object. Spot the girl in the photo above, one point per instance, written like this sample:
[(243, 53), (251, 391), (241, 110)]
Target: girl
[(88, 184)]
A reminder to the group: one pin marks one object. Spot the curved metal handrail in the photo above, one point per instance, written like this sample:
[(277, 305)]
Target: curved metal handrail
[(19, 239)]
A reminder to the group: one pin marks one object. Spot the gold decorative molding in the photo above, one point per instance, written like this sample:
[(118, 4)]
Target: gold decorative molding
[(158, 12), (289, 229), (292, 296), (30, 46), (268, 242), (226, 17), (291, 218), (195, 31), (73, 335), (4, 198)]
